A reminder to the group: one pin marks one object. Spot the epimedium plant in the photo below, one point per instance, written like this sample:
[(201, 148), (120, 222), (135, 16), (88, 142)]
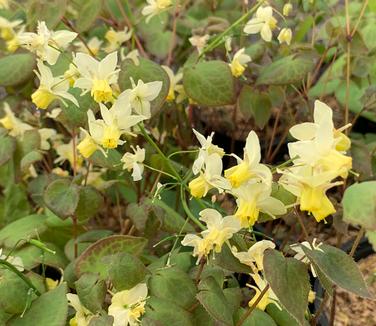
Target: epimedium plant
[(110, 212)]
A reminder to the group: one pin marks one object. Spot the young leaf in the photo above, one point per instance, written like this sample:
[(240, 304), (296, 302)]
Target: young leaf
[(339, 268), (359, 204), (211, 296), (173, 284), (92, 260), (209, 83), (289, 280), (61, 197)]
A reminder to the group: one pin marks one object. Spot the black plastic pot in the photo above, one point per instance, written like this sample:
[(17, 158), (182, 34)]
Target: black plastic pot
[(364, 250)]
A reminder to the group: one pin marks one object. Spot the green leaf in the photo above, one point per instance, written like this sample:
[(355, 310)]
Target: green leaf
[(28, 227), (288, 70), (51, 10), (227, 260), (29, 159), (51, 308), (92, 259), (209, 83), (89, 203), (7, 148), (211, 296), (256, 318), (16, 69), (371, 235), (126, 272), (359, 205), (256, 104), (339, 268), (147, 71), (13, 292), (159, 44), (91, 10), (102, 321), (166, 312), (281, 317), (91, 291), (171, 283), (289, 280), (111, 162), (61, 197)]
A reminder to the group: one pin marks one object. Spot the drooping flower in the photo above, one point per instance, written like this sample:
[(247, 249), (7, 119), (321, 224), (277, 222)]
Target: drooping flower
[(199, 42), (285, 36), (83, 315), (128, 306), (45, 135), (14, 43), (14, 260), (50, 88), (287, 8), (219, 230), (155, 7), (174, 80), (97, 76), (301, 256), (116, 38), (263, 23), (209, 177), (269, 296), (320, 145), (207, 148), (65, 153), (10, 122), (310, 189), (105, 133), (255, 254), (7, 27), (239, 63), (47, 44), (141, 95), (254, 198), (94, 44), (250, 167), (133, 162)]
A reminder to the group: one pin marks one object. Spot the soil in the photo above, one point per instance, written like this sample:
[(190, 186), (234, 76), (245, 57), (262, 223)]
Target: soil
[(352, 310)]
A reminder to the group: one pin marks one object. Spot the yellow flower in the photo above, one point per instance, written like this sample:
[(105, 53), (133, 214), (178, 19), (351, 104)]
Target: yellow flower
[(263, 23), (97, 77), (83, 315), (269, 296), (50, 88), (133, 162), (250, 167), (155, 7), (287, 8), (239, 62), (301, 256), (174, 80), (117, 38), (219, 230), (254, 198), (87, 146), (51, 284), (128, 306), (285, 36), (47, 44), (199, 41), (320, 145), (255, 254), (65, 153), (7, 28), (209, 178), (4, 4), (310, 188), (94, 44), (10, 122)]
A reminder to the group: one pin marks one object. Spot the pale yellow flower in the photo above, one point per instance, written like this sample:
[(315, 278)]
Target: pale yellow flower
[(174, 80), (94, 44), (285, 36), (83, 315), (287, 8), (47, 44), (199, 41), (14, 125), (128, 306), (155, 7), (97, 76), (14, 260), (269, 296), (116, 38), (301, 256), (239, 63), (7, 27), (255, 254), (133, 162), (263, 22)]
